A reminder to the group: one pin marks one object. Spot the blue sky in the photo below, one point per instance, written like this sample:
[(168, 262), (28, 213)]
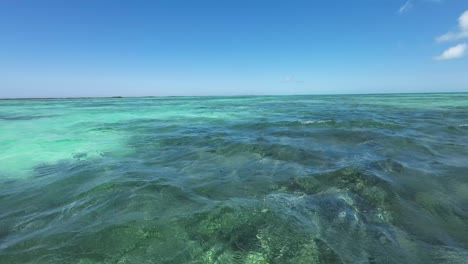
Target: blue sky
[(136, 48)]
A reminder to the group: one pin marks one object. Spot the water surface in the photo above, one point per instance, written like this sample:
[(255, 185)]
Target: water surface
[(285, 179)]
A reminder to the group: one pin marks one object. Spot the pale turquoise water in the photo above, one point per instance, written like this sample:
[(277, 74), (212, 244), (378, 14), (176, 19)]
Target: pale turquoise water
[(288, 179)]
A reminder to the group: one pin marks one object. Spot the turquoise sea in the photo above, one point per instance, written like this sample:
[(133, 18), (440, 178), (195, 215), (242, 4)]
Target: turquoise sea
[(268, 179)]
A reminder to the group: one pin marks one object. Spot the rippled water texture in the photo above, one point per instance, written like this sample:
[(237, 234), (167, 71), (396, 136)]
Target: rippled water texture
[(292, 179)]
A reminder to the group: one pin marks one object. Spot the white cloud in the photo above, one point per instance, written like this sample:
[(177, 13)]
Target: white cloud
[(454, 52), (409, 4), (405, 7), (463, 21), (460, 34), (291, 79), (450, 36)]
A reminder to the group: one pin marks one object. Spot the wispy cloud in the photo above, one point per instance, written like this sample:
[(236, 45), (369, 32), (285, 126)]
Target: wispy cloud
[(454, 52), (409, 4), (460, 34), (405, 7), (291, 79)]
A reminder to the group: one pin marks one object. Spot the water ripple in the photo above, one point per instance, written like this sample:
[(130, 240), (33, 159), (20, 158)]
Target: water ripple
[(298, 179)]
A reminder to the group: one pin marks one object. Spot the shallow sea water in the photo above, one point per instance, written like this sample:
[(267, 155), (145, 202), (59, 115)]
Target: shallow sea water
[(280, 179)]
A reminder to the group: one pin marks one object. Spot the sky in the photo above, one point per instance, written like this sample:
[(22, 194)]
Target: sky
[(231, 47)]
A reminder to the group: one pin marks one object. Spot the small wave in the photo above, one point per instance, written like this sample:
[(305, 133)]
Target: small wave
[(23, 117), (463, 125), (311, 122)]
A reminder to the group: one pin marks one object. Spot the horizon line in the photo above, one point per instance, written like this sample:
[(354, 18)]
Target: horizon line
[(232, 95)]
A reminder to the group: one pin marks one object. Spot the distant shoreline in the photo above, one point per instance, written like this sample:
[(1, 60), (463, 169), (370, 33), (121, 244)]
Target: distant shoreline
[(206, 96)]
